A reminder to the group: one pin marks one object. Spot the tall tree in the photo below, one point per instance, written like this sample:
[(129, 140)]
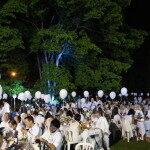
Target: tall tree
[(82, 44)]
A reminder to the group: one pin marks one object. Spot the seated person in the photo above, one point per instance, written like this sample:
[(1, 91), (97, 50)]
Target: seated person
[(4, 123), (52, 138), (10, 137), (32, 130)]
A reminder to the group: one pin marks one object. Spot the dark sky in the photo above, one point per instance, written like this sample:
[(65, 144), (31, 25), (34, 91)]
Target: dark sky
[(138, 76)]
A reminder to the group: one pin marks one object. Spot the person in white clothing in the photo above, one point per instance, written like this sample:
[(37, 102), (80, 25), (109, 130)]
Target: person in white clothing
[(6, 107), (102, 124), (20, 126), (33, 129), (87, 106), (4, 123), (38, 119), (93, 104), (10, 136), (53, 138)]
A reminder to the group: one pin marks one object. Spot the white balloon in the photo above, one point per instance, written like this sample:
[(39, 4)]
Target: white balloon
[(5, 96), (147, 94), (42, 96), (28, 94), (63, 93), (100, 93), (141, 94), (38, 95), (22, 96), (124, 91), (1, 90), (86, 94), (47, 98), (112, 95), (73, 94), (14, 96)]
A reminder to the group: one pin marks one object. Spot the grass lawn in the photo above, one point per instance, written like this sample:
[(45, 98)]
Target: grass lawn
[(132, 145)]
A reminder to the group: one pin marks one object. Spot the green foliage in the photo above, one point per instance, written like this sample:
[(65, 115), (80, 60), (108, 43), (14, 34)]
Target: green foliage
[(9, 10), (10, 39), (13, 87), (102, 42), (60, 75), (106, 76), (84, 45), (51, 39)]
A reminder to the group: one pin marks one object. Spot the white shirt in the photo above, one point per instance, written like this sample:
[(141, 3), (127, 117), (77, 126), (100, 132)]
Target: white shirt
[(6, 108), (93, 105), (20, 126), (102, 124), (39, 120), (4, 124), (99, 102), (54, 138), (139, 112), (87, 106), (33, 132), (117, 120)]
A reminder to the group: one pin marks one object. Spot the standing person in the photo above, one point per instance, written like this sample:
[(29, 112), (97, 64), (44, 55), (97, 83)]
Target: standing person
[(5, 108), (52, 138), (102, 124), (93, 104), (116, 117)]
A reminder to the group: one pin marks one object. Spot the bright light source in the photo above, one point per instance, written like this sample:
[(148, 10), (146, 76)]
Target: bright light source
[(13, 74)]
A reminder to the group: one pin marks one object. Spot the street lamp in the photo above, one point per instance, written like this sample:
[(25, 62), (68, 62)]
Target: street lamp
[(13, 74)]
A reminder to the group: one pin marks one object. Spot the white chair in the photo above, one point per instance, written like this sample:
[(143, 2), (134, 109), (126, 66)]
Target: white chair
[(84, 146), (69, 139)]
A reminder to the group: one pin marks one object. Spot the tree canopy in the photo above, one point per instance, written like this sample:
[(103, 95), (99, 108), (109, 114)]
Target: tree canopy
[(74, 44)]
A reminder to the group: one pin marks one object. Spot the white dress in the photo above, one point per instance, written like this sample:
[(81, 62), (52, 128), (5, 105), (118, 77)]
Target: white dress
[(141, 127), (127, 125)]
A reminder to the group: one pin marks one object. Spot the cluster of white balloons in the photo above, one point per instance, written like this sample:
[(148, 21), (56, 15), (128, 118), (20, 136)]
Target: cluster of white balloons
[(63, 94), (112, 94), (124, 92), (24, 96)]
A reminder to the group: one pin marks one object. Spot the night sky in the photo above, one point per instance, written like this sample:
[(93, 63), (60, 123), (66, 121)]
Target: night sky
[(138, 76)]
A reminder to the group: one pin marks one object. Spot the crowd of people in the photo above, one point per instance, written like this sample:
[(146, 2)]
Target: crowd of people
[(49, 127)]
